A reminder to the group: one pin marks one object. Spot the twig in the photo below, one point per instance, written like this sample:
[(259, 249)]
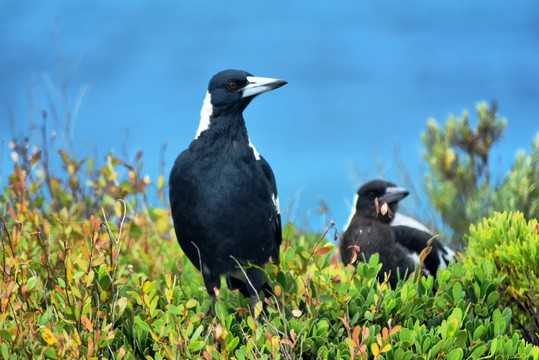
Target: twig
[(245, 274)]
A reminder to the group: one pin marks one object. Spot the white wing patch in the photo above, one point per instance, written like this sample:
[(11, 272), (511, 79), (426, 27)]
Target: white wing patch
[(205, 115), (275, 199), (257, 155), (403, 220), (447, 257), (352, 214), (415, 258)]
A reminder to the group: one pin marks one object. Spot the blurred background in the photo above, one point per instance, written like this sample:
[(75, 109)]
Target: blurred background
[(364, 77)]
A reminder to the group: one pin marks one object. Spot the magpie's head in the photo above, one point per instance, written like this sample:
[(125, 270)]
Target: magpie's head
[(232, 90), (386, 192)]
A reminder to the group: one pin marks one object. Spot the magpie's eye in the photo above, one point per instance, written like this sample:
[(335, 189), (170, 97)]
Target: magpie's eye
[(232, 85), (372, 195)]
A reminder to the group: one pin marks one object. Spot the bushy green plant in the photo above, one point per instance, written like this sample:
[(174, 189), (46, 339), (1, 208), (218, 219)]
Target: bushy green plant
[(69, 294), (459, 182), (73, 287), (508, 246)]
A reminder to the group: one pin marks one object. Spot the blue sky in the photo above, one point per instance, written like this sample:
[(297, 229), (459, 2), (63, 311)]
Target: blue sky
[(364, 77)]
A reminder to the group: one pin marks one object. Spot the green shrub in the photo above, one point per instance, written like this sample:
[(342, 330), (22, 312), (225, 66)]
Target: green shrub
[(508, 247), (459, 182), (66, 292)]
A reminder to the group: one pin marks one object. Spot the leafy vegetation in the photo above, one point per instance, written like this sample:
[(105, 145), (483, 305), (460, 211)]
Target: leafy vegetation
[(458, 156), (508, 246), (90, 270)]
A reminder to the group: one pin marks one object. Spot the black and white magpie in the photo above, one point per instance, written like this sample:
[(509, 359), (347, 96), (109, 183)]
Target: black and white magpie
[(397, 238), (223, 194)]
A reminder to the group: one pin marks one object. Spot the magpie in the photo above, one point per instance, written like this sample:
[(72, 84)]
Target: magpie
[(223, 194), (397, 238)]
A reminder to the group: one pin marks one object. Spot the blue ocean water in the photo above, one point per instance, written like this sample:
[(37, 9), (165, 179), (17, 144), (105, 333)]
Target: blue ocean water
[(364, 77)]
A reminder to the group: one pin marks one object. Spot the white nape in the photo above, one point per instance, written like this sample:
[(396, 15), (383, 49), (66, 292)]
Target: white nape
[(205, 114), (351, 214), (403, 220), (257, 155), (275, 199)]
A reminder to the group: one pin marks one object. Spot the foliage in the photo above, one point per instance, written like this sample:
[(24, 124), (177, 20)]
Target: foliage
[(116, 285), (508, 246), (459, 178)]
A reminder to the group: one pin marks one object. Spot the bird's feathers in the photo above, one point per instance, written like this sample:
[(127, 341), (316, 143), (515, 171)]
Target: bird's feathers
[(223, 194)]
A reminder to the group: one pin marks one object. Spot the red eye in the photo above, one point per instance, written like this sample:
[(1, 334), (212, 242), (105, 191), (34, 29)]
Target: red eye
[(232, 85)]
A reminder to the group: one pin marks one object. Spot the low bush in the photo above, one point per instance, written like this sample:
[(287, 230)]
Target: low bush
[(90, 269), (88, 288), (508, 247)]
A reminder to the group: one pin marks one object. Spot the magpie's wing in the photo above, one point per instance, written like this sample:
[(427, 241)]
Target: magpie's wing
[(412, 239), (276, 216), (415, 241)]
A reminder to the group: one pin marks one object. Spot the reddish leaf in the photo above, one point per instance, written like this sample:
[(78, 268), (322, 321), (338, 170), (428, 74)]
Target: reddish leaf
[(355, 335), (322, 250), (365, 333), (87, 231), (395, 329), (385, 334), (287, 342), (87, 323), (354, 257)]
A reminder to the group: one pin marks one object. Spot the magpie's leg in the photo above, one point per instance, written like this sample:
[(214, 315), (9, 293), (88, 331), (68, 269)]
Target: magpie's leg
[(211, 281), (254, 283)]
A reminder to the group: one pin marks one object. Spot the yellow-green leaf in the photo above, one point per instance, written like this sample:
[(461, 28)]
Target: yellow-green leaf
[(49, 337), (258, 309), (375, 349), (191, 303)]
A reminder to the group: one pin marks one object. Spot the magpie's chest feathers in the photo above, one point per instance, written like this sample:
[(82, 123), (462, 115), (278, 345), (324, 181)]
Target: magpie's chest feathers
[(224, 156), (223, 168)]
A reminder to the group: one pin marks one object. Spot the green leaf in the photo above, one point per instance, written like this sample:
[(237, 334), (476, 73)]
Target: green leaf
[(197, 333), (232, 344), (251, 323), (142, 325), (174, 310), (492, 298), (457, 292), (196, 346), (31, 283), (4, 350), (191, 303), (479, 333), (368, 315), (7, 336), (455, 354)]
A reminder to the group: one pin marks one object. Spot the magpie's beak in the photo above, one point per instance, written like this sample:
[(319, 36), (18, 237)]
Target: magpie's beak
[(393, 195), (259, 85)]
